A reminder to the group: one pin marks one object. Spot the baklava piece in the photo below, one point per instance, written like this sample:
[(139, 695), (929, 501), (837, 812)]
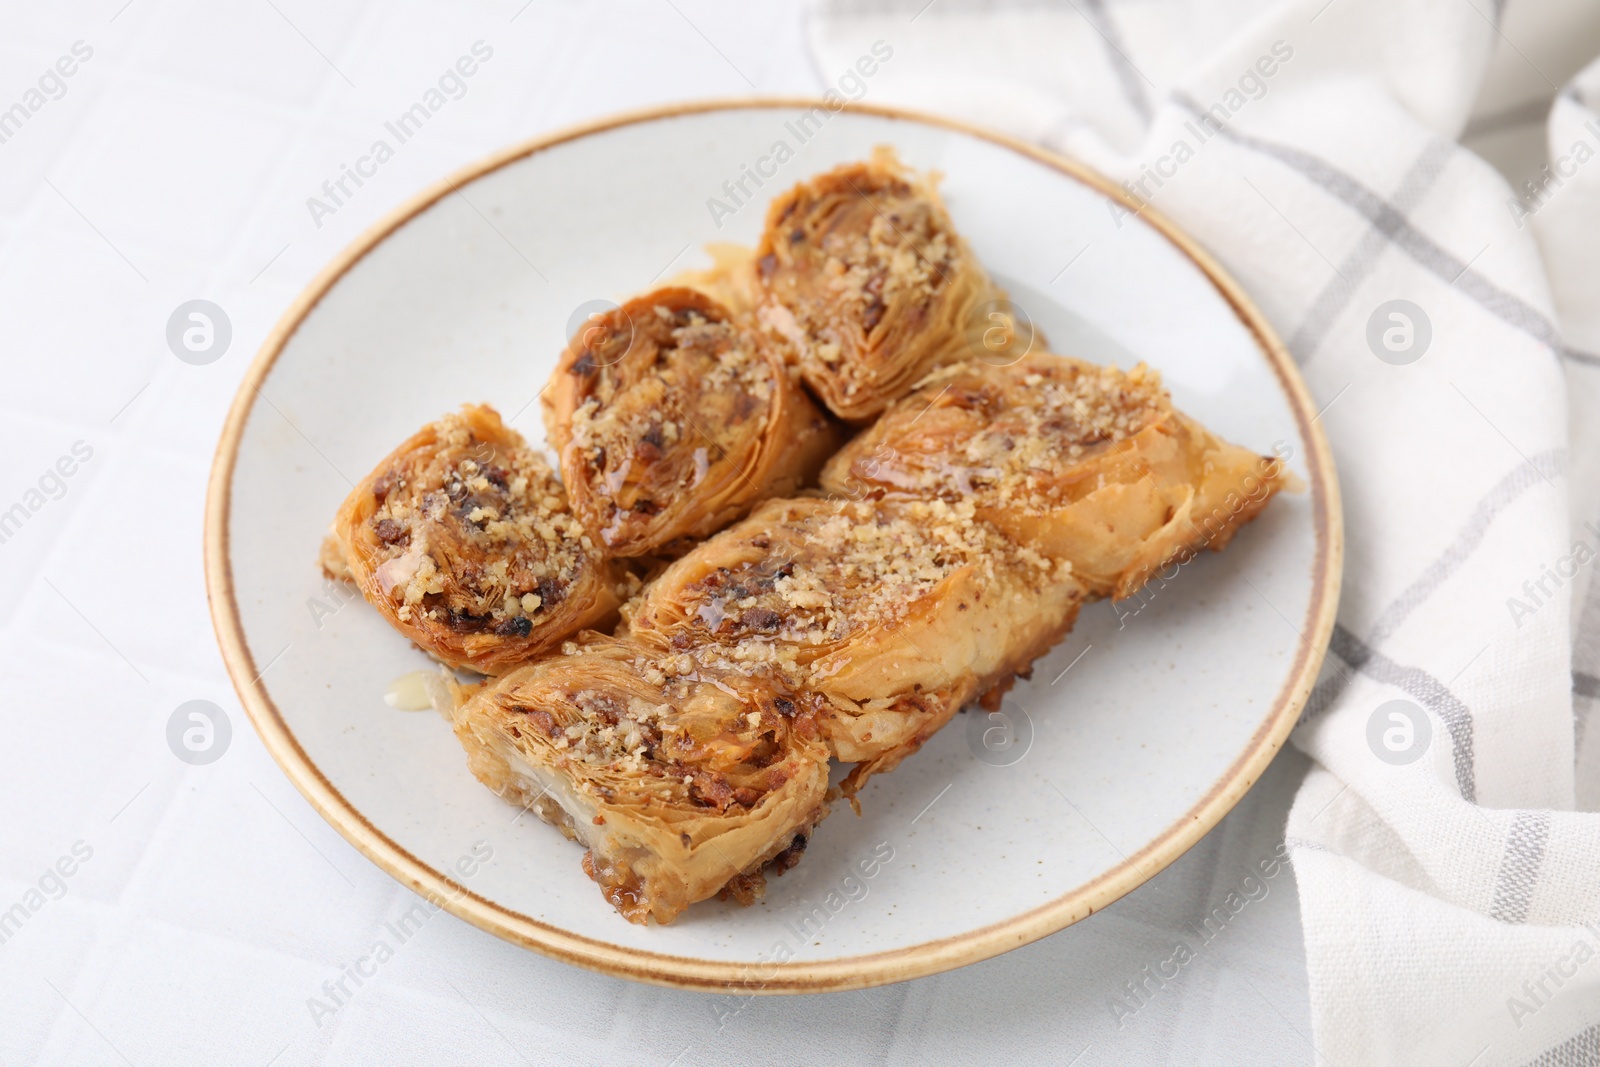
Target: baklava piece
[(1082, 462), (862, 270), (463, 540), (681, 784), (673, 418), (896, 614)]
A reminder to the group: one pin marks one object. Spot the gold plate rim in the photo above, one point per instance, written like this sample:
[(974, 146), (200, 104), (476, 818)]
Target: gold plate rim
[(843, 973)]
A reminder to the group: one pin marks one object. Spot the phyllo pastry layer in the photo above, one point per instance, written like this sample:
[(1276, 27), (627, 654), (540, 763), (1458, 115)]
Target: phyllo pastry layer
[(463, 540), (896, 614), (673, 417), (680, 783), (863, 271), (1082, 462)]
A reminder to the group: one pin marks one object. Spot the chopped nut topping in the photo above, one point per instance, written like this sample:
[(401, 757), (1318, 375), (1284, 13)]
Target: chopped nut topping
[(671, 396), (474, 534), (868, 250), (1002, 436), (818, 572)]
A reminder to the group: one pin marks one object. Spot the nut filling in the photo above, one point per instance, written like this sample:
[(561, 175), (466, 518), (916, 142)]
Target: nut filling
[(825, 571), (464, 538), (673, 416), (646, 438), (1081, 462), (681, 785), (864, 273), (896, 614)]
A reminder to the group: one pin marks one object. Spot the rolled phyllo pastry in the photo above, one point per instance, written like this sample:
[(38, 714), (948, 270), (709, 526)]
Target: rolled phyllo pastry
[(462, 538), (1082, 462), (680, 784), (896, 614), (674, 418), (863, 271)]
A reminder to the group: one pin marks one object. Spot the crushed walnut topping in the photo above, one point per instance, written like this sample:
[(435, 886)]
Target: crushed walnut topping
[(826, 570), (475, 534), (612, 729), (859, 247), (698, 737), (1008, 435), (670, 395)]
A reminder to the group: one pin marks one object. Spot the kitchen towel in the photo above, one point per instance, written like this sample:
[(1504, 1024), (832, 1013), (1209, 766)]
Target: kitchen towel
[(1446, 843)]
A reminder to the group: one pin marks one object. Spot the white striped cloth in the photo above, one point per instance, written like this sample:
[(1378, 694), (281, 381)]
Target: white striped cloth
[(1451, 904)]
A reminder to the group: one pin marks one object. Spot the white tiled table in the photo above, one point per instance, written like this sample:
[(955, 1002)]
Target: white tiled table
[(177, 165)]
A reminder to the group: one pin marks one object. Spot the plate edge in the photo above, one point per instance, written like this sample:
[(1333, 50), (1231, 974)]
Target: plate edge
[(814, 976)]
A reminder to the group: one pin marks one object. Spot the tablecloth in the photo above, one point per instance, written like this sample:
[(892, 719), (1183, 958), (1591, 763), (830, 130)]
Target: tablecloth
[(159, 910), (1446, 848)]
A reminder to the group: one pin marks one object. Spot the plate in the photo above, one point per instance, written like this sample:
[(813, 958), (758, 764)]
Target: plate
[(1131, 739)]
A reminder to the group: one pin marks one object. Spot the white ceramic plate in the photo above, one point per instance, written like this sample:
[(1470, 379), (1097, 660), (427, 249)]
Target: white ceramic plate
[(466, 294)]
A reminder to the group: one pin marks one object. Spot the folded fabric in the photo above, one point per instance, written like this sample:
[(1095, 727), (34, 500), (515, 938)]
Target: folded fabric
[(1447, 324)]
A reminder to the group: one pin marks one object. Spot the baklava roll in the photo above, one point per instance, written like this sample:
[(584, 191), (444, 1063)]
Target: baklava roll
[(463, 540), (863, 271), (681, 785), (1083, 462), (674, 417), (897, 614)]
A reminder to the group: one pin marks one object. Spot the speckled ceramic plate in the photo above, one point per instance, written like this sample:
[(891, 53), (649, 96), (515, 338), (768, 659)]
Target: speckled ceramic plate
[(1132, 738)]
